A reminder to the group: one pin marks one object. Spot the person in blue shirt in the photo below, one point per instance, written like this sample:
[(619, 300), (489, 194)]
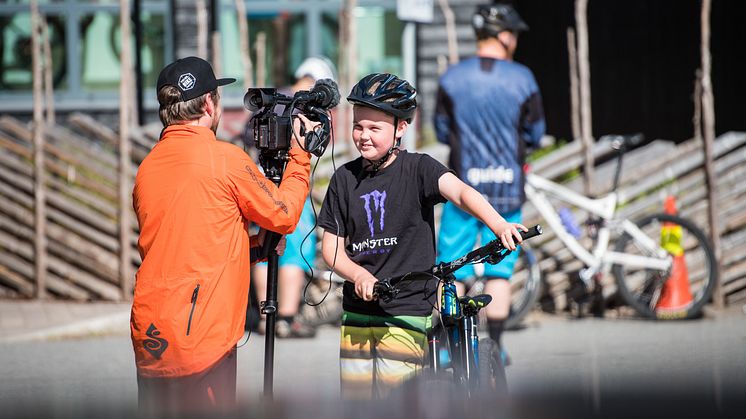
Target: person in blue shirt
[(488, 110)]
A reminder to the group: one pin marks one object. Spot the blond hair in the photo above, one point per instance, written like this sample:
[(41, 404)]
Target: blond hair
[(173, 111)]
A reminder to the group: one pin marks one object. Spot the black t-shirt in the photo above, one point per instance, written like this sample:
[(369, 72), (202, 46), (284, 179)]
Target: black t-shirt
[(386, 218)]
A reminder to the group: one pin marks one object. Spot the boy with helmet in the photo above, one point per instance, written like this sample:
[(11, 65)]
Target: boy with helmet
[(378, 223), (488, 108)]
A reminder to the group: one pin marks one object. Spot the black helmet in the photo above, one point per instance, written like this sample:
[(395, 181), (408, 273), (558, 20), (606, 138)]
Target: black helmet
[(489, 20), (387, 93)]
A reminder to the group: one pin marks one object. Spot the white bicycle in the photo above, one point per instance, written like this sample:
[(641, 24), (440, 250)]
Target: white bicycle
[(645, 255)]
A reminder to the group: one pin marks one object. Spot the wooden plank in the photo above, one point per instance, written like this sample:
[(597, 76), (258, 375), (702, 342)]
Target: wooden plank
[(148, 135), (20, 132), (106, 268), (54, 283), (15, 214), (17, 282), (600, 149), (62, 269), (82, 148), (725, 144), (80, 195), (634, 163), (91, 127), (60, 170), (56, 200), (736, 297), (78, 227), (85, 154), (734, 278)]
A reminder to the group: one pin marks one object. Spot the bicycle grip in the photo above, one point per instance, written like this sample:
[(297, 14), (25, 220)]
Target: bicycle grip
[(532, 232), (384, 290)]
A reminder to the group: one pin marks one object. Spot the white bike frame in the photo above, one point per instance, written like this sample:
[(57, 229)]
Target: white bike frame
[(601, 258)]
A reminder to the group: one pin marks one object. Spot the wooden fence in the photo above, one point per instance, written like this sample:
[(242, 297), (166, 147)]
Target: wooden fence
[(81, 161)]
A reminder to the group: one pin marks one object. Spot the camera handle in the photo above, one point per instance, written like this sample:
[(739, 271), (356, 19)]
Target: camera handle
[(318, 139), (273, 164)]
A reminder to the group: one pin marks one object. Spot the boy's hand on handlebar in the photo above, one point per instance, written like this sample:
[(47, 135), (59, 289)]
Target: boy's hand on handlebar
[(364, 287), (509, 234)]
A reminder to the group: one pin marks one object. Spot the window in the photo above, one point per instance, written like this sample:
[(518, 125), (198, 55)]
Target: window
[(296, 30), (84, 40)]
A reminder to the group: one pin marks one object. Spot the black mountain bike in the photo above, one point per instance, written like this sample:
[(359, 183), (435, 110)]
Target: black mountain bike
[(455, 351)]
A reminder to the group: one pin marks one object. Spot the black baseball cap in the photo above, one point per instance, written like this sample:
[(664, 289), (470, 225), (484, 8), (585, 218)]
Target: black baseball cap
[(193, 76)]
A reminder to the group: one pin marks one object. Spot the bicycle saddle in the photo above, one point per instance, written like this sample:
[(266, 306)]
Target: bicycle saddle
[(478, 301)]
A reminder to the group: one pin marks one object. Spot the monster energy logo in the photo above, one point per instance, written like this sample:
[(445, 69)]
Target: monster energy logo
[(375, 202)]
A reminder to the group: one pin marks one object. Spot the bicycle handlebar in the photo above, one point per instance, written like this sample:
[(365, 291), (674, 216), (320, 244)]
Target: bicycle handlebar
[(623, 142), (492, 252)]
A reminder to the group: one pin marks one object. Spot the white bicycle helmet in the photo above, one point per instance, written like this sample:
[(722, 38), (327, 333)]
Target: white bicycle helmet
[(317, 68)]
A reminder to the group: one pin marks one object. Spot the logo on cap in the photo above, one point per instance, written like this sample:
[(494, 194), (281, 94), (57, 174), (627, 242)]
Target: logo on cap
[(478, 21), (187, 81)]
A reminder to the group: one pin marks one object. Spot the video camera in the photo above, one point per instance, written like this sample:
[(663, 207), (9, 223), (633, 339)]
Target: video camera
[(272, 131)]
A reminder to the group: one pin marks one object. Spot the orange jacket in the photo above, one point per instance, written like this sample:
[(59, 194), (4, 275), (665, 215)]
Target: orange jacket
[(194, 197)]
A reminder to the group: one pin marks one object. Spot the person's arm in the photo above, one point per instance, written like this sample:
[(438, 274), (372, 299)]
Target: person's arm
[(333, 251), (260, 200), (471, 201), (443, 118), (532, 124)]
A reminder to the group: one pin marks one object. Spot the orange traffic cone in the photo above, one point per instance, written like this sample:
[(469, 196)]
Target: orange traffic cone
[(676, 295)]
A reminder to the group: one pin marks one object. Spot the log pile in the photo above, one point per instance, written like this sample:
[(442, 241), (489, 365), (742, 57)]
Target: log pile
[(82, 230)]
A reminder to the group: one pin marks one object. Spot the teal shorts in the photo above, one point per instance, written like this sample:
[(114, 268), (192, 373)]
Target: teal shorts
[(459, 232), (298, 247)]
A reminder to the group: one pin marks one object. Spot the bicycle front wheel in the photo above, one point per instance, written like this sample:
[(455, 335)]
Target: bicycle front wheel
[(680, 292), (491, 370)]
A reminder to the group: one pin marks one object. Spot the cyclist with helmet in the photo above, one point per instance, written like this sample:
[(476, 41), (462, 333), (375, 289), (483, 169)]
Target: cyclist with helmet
[(378, 219), (488, 109)]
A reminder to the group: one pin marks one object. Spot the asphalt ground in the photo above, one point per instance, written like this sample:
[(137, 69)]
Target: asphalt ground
[(83, 366)]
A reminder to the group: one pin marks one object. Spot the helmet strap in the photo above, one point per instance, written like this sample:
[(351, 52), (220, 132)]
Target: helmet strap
[(376, 164)]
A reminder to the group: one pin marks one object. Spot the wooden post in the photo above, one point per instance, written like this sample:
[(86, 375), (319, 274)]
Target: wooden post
[(261, 59), (450, 20), (342, 108), (708, 125), (351, 44), (584, 74), (217, 54), (442, 64), (202, 31), (697, 117), (348, 67), (572, 55), (48, 81), (243, 34), (280, 48), (125, 191), (40, 219)]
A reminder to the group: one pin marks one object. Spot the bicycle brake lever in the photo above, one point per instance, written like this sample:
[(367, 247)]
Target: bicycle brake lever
[(384, 291), (494, 259)]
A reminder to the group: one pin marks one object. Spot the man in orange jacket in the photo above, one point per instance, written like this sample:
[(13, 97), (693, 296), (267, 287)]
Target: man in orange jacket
[(194, 197)]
